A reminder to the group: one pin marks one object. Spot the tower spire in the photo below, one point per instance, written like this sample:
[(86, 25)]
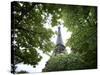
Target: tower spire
[(59, 37), (60, 48)]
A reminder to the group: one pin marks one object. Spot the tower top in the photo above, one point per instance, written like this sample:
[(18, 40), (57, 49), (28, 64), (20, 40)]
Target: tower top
[(60, 48), (59, 37)]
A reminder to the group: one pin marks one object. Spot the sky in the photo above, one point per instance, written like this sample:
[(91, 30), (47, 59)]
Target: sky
[(65, 36)]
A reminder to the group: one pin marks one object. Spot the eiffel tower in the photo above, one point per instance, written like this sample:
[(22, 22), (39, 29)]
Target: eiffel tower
[(60, 48)]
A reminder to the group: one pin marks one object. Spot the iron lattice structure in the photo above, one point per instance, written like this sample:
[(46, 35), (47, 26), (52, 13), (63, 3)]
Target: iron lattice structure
[(60, 48)]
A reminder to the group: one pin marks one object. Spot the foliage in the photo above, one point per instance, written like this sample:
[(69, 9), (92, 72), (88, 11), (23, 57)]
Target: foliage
[(28, 30), (22, 72), (73, 61), (28, 34), (82, 22)]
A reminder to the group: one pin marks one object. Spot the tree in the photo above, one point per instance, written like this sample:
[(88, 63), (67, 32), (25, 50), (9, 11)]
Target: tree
[(21, 72), (73, 61), (82, 22), (28, 32)]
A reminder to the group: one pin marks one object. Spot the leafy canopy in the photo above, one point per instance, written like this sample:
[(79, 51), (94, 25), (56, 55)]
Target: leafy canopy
[(28, 30), (82, 22), (30, 35)]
